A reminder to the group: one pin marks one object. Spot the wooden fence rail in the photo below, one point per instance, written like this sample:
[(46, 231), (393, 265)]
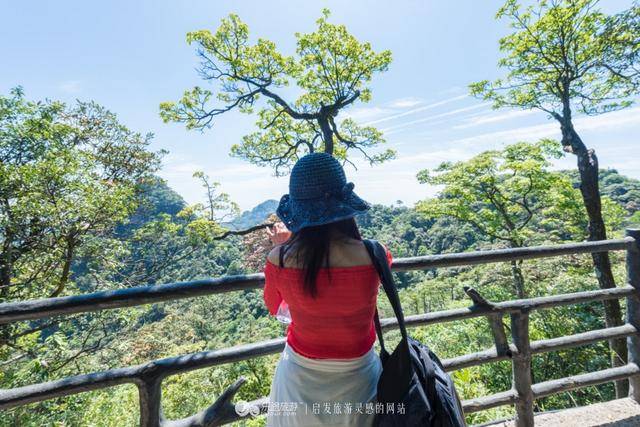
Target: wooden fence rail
[(148, 377)]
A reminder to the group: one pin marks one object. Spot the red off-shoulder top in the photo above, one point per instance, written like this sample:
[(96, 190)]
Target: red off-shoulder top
[(338, 323)]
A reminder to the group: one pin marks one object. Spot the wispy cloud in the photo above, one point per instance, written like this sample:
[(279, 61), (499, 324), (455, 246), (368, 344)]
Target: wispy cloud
[(405, 102), (70, 86), (364, 114), (417, 110), (552, 129), (609, 120), (178, 167), (371, 115), (484, 119), (435, 116), (453, 90)]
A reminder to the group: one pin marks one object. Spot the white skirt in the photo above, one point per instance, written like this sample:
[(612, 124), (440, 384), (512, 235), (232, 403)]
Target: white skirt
[(323, 392)]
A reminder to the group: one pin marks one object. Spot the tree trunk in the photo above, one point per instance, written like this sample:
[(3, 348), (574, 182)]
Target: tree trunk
[(327, 134), (6, 273), (590, 190), (6, 267), (5, 278), (518, 279)]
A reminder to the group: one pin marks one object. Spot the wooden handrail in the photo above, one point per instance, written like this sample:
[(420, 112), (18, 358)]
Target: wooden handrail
[(140, 295), (148, 376)]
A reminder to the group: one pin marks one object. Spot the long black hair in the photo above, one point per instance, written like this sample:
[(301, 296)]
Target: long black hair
[(312, 245)]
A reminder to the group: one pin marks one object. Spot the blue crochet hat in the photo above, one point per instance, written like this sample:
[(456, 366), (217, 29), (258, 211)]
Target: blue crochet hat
[(318, 194)]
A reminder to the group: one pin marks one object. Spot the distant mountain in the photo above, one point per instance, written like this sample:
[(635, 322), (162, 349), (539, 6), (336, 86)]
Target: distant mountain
[(155, 197), (253, 217)]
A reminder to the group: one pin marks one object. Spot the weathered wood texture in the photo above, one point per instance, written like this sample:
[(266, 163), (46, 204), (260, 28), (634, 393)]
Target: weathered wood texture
[(633, 309), (547, 388), (135, 374), (501, 255), (521, 367), (204, 359), (542, 346), (585, 380), (37, 309), (148, 376), (487, 402)]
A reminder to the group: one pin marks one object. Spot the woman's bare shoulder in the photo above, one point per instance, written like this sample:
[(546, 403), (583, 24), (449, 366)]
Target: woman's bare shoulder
[(274, 255), (350, 252), (290, 251)]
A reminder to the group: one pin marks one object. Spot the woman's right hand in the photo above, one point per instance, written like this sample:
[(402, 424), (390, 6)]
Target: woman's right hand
[(279, 233)]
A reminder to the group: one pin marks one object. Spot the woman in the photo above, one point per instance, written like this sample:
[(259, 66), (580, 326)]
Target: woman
[(328, 371)]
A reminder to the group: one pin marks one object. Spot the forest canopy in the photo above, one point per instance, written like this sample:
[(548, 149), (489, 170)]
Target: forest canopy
[(83, 208), (153, 236)]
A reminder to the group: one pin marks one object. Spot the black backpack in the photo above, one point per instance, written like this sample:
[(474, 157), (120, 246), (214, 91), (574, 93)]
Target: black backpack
[(412, 376)]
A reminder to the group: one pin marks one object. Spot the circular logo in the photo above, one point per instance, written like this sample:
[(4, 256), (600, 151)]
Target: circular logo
[(245, 408)]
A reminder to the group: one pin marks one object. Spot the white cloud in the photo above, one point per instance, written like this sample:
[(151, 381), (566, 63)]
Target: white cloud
[(528, 133), (405, 102), (452, 90), (371, 115), (396, 179), (552, 129), (249, 185), (435, 116), (362, 114), (417, 110), (609, 120), (492, 118), (70, 86)]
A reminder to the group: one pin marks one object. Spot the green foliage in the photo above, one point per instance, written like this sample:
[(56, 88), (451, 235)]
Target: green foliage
[(502, 192), (331, 69), (562, 51), (221, 321), (143, 232), (205, 218), (67, 177), (623, 190)]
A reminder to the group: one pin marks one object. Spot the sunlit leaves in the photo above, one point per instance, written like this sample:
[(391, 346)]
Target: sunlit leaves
[(67, 174), (204, 219), (335, 64), (566, 53), (501, 192), (331, 70)]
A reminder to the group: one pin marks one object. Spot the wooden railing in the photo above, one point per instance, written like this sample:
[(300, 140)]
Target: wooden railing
[(149, 376)]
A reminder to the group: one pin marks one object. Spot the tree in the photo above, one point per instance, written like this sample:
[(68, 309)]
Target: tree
[(205, 218), (257, 246), (565, 56), (66, 174), (332, 70), (502, 194)]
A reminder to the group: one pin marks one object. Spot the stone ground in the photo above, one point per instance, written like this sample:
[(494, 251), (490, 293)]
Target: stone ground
[(616, 413)]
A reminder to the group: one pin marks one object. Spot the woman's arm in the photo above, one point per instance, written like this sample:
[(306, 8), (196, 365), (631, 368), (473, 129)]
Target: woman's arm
[(278, 234), (271, 295)]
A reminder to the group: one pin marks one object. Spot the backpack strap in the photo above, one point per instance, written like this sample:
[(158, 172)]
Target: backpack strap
[(281, 253), (378, 255), (376, 321), (281, 256)]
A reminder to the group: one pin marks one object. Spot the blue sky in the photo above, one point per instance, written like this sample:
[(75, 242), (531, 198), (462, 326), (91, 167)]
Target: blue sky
[(131, 55)]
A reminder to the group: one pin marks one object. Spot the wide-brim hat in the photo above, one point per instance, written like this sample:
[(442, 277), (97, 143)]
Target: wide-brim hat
[(318, 194)]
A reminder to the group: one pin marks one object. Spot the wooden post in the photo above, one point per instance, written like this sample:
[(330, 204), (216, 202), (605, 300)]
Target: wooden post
[(149, 392), (499, 335), (521, 366), (495, 321), (633, 309)]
